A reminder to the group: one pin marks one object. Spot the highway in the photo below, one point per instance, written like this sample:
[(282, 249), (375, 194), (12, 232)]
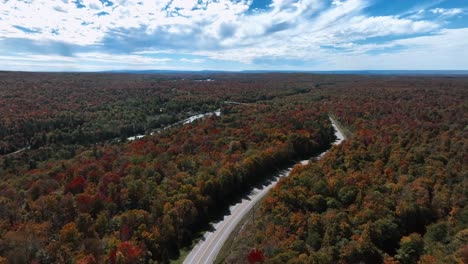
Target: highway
[(208, 247)]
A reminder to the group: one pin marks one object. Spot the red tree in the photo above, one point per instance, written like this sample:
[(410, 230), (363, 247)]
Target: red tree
[(255, 256)]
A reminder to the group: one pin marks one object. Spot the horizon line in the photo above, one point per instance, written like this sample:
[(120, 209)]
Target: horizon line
[(169, 71)]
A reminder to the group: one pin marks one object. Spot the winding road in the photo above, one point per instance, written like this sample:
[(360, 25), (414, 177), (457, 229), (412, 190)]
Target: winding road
[(208, 247)]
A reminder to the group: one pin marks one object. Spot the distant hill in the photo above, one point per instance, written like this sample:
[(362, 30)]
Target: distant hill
[(164, 72), (343, 72), (361, 72)]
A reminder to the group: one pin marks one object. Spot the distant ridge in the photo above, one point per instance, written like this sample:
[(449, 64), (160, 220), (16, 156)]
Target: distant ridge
[(208, 72), (166, 71), (360, 72)]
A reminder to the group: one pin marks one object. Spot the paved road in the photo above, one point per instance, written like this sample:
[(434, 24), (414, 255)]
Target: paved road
[(207, 249)]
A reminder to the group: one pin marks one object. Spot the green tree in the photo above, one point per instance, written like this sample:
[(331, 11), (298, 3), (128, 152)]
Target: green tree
[(411, 247)]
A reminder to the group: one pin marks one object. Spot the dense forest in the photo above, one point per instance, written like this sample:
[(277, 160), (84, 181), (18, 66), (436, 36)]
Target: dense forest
[(46, 109), (85, 198), (394, 192), (72, 190)]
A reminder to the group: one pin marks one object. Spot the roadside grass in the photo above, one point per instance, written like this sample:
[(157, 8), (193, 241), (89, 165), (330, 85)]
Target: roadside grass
[(241, 239), (347, 133), (183, 252)]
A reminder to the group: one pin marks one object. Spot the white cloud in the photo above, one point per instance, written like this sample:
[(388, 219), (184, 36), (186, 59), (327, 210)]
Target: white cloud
[(387, 25), (192, 60), (223, 21), (113, 58), (131, 32), (84, 61), (445, 50), (339, 25), (447, 12)]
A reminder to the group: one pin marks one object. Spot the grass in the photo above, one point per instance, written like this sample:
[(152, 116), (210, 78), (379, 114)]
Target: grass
[(239, 239), (183, 252), (345, 130)]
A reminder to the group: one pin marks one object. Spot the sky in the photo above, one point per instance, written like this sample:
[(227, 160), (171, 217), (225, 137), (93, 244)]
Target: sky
[(233, 35)]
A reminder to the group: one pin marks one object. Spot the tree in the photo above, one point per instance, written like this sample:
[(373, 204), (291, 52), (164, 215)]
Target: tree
[(411, 247), (255, 256), (69, 234), (126, 253)]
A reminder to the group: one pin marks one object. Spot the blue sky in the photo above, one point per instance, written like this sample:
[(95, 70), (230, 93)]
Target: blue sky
[(95, 35)]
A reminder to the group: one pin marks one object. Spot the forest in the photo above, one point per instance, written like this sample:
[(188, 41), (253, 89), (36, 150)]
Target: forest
[(394, 192), (46, 109), (84, 198), (73, 190)]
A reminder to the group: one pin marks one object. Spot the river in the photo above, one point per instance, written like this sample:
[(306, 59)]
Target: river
[(186, 121)]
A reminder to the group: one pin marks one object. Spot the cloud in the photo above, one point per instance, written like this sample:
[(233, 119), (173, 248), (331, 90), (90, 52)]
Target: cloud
[(444, 50), (137, 32), (45, 46), (446, 12), (387, 25), (83, 61), (340, 24), (27, 30), (192, 60)]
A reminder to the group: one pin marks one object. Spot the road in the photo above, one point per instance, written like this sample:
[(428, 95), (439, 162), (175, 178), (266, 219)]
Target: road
[(207, 249)]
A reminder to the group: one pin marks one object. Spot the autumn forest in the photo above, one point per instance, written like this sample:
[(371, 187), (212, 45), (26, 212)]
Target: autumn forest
[(105, 168)]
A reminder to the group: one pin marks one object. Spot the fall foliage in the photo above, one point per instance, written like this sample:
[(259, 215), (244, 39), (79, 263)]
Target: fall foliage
[(394, 192), (106, 200)]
